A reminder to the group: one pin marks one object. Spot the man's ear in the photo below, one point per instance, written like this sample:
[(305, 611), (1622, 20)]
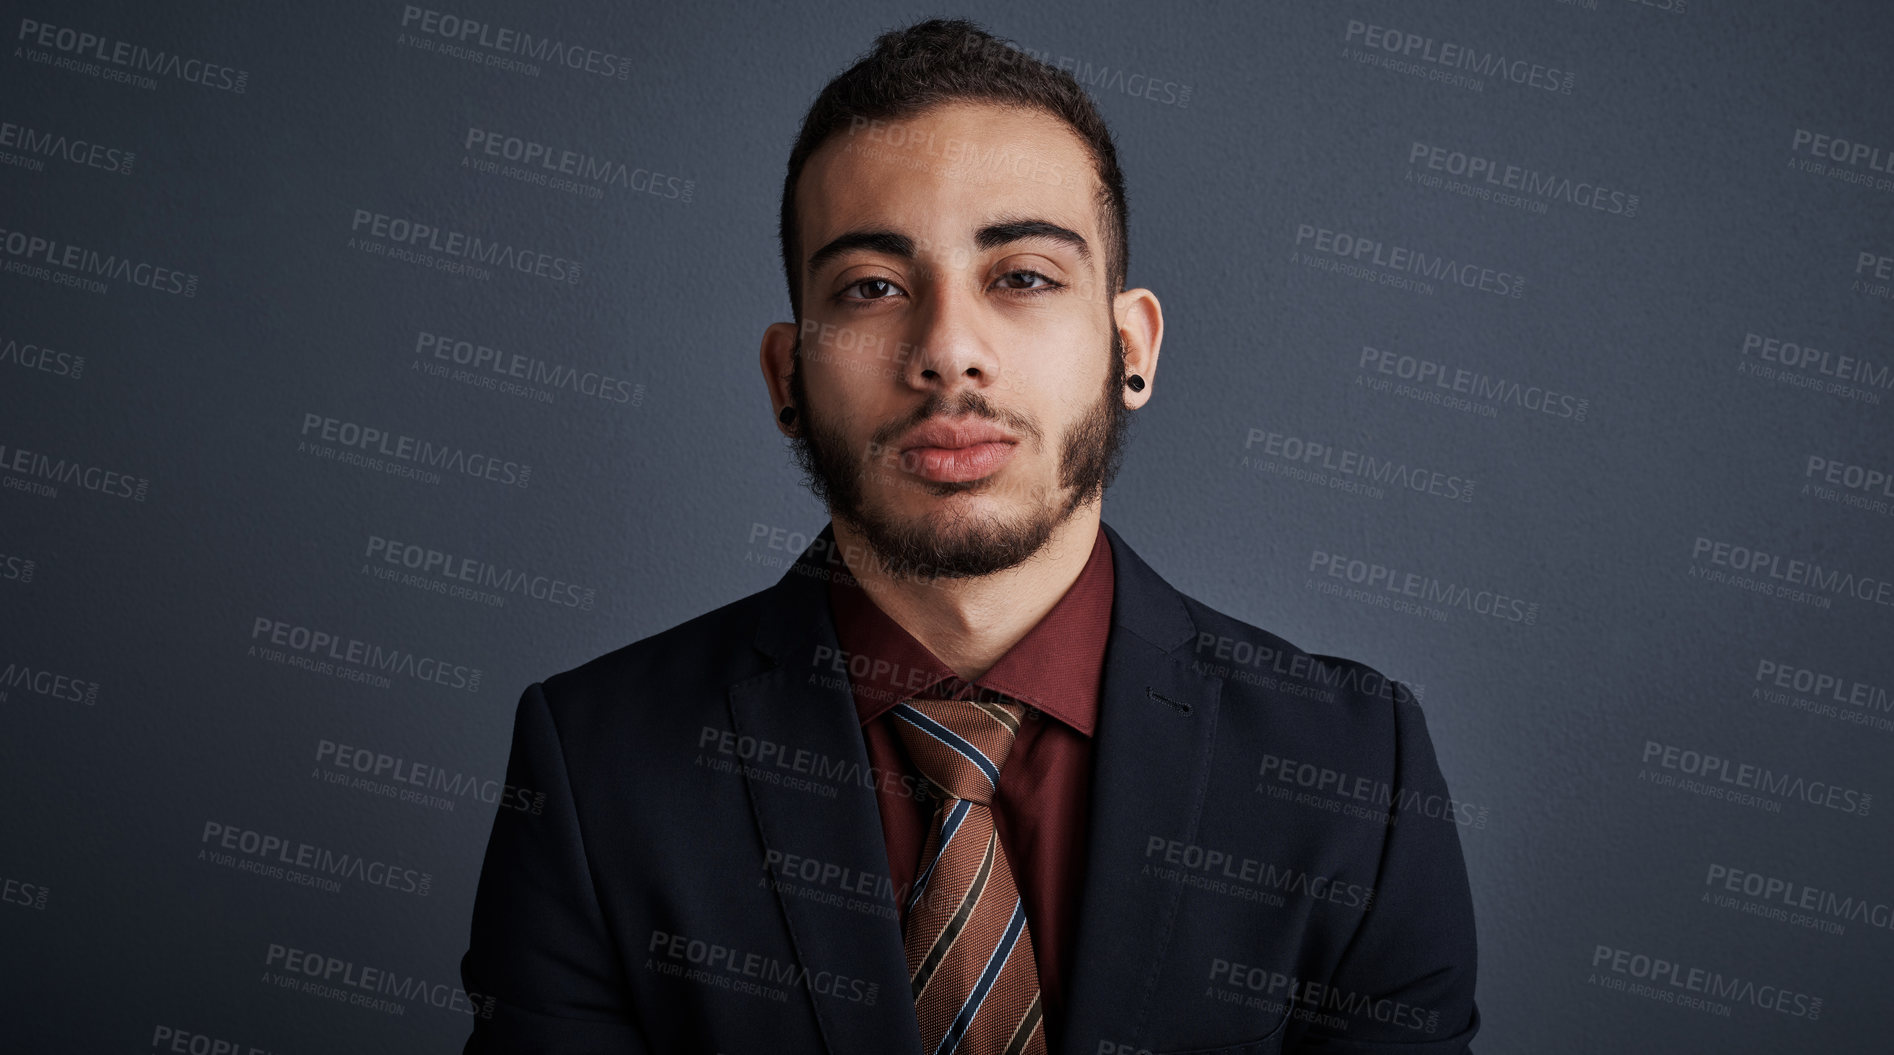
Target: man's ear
[(1140, 322), (779, 345)]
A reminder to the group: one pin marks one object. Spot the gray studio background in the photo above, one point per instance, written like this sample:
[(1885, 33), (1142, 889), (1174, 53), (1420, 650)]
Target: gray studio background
[(1696, 370)]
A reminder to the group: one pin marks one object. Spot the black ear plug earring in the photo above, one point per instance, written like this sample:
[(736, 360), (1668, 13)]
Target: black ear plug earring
[(1135, 383), (788, 415)]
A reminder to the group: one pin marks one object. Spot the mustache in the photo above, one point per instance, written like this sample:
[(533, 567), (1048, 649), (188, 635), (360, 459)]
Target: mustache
[(967, 403)]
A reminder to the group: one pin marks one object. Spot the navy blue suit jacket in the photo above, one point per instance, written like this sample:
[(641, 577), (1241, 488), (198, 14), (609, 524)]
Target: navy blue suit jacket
[(707, 870)]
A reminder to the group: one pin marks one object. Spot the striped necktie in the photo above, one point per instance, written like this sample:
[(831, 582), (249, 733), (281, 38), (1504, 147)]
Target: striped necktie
[(970, 954)]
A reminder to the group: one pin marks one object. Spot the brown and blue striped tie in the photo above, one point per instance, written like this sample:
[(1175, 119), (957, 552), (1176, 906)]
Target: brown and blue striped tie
[(970, 954)]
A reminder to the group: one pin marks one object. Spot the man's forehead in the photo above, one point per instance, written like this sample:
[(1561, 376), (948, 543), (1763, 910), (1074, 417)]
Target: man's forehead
[(950, 173)]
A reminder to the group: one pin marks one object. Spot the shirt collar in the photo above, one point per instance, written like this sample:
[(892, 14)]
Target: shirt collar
[(1056, 668)]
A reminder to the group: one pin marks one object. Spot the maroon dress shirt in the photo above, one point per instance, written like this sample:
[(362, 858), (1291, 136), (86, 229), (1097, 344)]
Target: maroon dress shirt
[(1045, 786)]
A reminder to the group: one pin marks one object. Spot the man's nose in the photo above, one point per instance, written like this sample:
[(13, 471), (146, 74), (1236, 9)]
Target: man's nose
[(953, 346)]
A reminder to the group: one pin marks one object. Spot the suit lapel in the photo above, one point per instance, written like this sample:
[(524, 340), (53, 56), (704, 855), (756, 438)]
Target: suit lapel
[(800, 706), (1157, 716)]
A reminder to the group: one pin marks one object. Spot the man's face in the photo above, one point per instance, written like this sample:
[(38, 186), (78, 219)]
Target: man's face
[(959, 378)]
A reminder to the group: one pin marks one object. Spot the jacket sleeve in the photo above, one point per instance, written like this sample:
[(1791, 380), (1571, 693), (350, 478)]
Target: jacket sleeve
[(1404, 984), (540, 969)]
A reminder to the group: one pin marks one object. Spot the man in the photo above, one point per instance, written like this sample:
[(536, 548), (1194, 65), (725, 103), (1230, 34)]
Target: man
[(971, 776)]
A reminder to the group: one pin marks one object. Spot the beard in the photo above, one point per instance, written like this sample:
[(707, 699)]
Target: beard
[(965, 545)]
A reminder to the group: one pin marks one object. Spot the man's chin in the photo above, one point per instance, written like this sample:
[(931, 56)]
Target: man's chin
[(961, 510), (969, 530), (916, 494)]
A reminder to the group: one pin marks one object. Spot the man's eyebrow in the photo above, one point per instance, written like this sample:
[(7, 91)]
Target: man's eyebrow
[(992, 236), (1005, 232), (889, 243)]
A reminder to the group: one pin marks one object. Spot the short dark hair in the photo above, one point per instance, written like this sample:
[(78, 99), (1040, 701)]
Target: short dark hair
[(943, 60)]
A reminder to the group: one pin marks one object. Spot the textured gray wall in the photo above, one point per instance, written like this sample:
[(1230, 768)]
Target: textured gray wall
[(1681, 360)]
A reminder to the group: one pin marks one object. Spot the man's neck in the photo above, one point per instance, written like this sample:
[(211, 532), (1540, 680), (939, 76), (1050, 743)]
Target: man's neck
[(970, 623)]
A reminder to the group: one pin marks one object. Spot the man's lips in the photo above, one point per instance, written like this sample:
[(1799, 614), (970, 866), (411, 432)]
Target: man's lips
[(948, 434), (957, 464), (956, 452)]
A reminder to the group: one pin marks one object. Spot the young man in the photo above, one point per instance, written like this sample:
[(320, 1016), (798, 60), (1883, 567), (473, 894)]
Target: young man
[(971, 777)]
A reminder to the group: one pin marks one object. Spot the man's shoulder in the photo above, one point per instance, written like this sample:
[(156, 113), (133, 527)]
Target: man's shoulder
[(691, 660)]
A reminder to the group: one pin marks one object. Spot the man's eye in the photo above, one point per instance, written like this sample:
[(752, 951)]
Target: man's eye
[(877, 289), (1029, 276)]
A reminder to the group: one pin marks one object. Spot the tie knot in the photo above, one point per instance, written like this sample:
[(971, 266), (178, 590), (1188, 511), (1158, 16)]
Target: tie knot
[(959, 744)]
